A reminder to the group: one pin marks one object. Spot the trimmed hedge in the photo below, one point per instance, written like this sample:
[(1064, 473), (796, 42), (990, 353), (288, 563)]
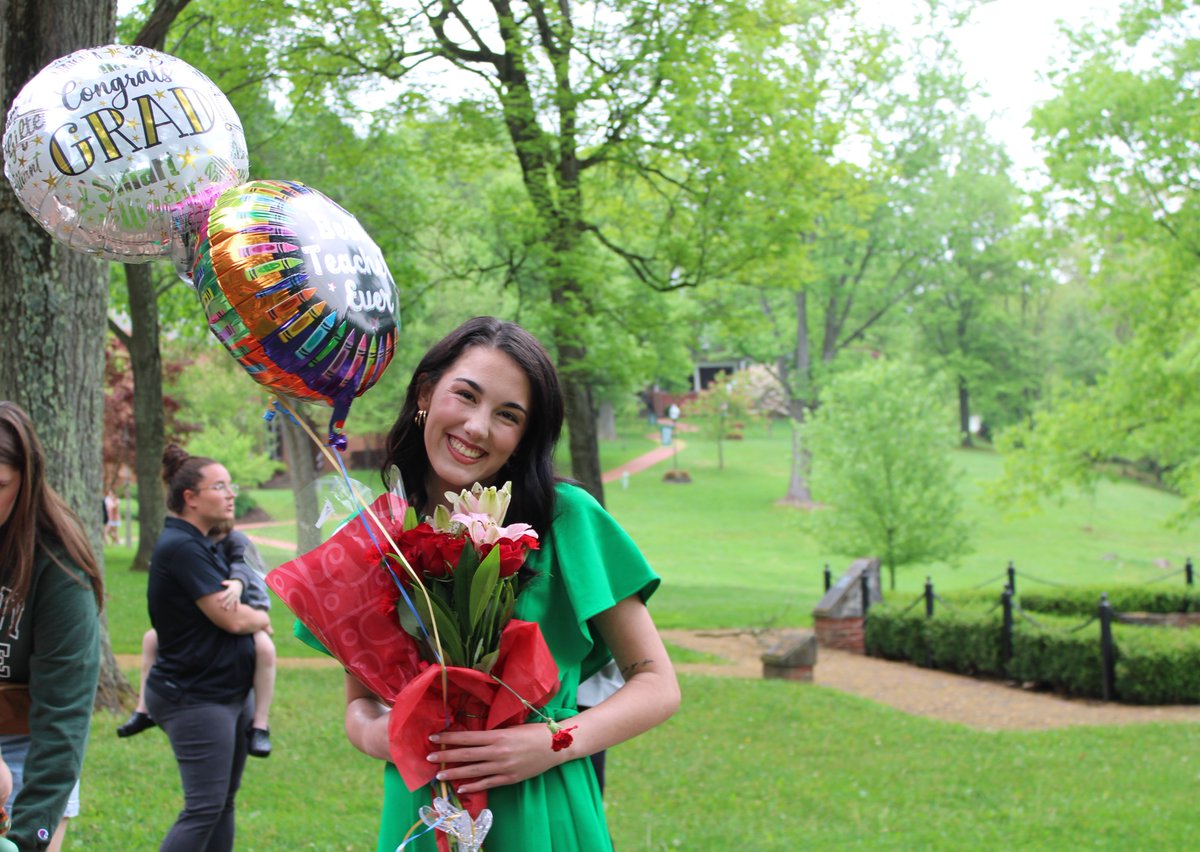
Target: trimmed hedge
[(1052, 655), (1157, 665), (1084, 600), (1154, 665)]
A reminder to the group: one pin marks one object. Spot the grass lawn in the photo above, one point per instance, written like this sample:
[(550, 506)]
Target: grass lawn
[(745, 764)]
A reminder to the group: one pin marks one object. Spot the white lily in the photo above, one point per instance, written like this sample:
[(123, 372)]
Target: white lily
[(478, 500)]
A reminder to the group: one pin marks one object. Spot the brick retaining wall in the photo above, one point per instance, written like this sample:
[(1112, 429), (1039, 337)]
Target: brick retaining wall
[(844, 634)]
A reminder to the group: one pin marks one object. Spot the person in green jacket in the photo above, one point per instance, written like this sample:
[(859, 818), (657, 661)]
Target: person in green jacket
[(51, 595)]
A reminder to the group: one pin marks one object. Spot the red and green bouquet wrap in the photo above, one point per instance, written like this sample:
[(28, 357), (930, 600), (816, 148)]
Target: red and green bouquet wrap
[(421, 614)]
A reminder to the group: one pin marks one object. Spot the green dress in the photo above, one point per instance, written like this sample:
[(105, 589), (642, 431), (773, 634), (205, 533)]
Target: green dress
[(586, 564)]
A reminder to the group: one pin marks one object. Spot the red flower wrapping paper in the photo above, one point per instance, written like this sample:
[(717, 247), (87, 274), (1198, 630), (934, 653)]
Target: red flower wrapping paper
[(475, 702), (335, 591)]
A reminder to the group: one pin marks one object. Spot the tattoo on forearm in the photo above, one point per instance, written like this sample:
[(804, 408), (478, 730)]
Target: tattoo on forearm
[(632, 669)]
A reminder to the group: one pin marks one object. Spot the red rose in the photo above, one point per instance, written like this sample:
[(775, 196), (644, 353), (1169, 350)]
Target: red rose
[(512, 553), (430, 552)]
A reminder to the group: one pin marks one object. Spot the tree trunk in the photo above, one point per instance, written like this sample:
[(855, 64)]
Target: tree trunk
[(798, 493), (606, 422), (301, 454), (964, 412), (145, 360), (53, 300), (581, 423), (799, 383)]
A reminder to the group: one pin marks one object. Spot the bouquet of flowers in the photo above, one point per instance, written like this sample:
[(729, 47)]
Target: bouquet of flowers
[(426, 624)]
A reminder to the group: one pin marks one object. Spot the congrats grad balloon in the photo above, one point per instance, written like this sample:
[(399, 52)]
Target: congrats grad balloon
[(297, 292), (105, 147)]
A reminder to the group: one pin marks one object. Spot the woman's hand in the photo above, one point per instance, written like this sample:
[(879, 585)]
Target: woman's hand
[(494, 758), (232, 593)]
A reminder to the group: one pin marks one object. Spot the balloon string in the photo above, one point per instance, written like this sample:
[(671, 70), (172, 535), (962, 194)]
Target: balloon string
[(396, 550), (411, 838), (383, 555)]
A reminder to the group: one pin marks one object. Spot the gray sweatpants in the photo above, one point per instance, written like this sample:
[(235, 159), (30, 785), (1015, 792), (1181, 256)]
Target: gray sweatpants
[(209, 741)]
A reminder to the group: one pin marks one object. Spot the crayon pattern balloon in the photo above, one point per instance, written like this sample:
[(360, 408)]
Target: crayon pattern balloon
[(106, 145), (297, 292)]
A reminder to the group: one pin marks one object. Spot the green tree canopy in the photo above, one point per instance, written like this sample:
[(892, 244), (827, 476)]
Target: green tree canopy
[(881, 468)]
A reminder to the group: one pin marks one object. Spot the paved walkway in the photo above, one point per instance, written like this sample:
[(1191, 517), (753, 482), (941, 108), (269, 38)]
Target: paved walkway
[(650, 459), (984, 704)]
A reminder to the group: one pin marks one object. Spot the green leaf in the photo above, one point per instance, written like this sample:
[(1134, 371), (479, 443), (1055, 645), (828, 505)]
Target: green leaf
[(408, 620), (464, 576), (483, 584), (488, 661), (447, 627), (410, 519)]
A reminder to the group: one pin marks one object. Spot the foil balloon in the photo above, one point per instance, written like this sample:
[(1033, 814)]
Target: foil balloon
[(110, 148), (297, 293)]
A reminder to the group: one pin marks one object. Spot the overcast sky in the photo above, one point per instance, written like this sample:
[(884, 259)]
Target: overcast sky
[(1004, 47)]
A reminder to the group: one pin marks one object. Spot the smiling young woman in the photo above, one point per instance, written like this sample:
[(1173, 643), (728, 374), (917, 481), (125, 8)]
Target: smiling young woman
[(484, 405)]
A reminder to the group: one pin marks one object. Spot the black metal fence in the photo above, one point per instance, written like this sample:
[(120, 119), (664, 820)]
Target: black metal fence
[(1011, 609)]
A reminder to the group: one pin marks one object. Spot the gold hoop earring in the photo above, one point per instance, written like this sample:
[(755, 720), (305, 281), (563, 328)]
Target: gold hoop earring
[(419, 418)]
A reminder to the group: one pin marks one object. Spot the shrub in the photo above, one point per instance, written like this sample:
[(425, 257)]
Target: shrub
[(1053, 655), (1157, 665), (1084, 600), (966, 641), (896, 634), (1054, 650)]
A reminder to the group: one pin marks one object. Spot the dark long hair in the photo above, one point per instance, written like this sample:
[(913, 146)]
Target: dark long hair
[(531, 466), (181, 472), (40, 518)]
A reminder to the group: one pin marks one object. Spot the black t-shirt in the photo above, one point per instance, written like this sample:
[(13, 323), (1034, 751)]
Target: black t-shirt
[(198, 662)]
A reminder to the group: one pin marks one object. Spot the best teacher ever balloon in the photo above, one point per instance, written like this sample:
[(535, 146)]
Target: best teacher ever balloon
[(297, 292), (102, 146)]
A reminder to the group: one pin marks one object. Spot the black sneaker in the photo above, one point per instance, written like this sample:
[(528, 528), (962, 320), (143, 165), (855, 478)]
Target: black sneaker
[(259, 742), (137, 723)]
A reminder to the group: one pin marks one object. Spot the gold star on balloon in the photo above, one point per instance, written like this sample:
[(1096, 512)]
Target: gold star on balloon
[(188, 158), (50, 182), (112, 51), (160, 94), (171, 186)]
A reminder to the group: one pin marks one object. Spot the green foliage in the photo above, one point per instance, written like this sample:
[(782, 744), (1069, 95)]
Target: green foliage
[(956, 639), (1157, 665), (1120, 139), (718, 407), (1056, 650), (227, 406), (965, 641), (1052, 653), (880, 448), (1085, 600), (897, 634)]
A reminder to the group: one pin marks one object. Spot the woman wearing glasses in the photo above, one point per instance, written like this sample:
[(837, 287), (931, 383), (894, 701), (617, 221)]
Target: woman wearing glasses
[(199, 688)]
